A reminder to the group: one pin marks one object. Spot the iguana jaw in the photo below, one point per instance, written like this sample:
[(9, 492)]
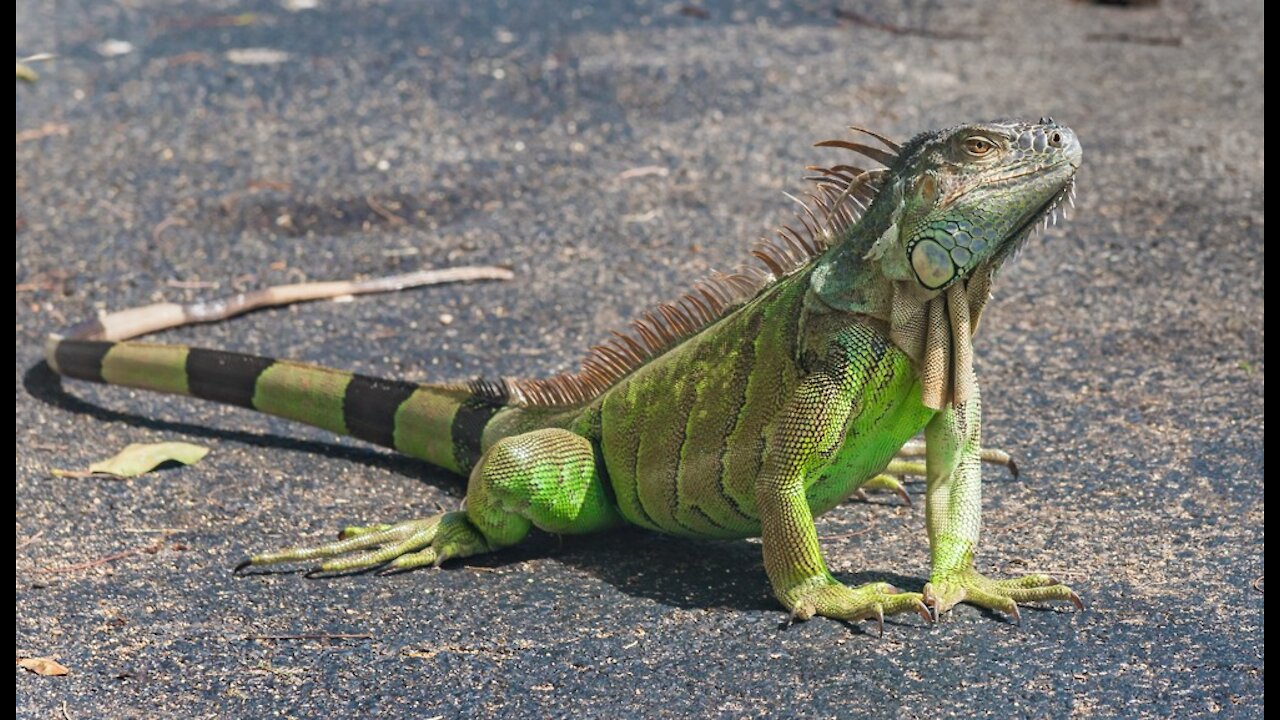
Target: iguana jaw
[(1044, 216)]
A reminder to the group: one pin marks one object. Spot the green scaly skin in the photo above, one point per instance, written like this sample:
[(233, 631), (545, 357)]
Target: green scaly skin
[(776, 412)]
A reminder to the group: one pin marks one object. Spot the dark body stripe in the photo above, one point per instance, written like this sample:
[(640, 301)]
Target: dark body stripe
[(468, 430), (369, 407), (82, 359), (225, 377)]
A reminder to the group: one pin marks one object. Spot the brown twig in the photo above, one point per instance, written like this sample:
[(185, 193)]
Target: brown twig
[(643, 171), (33, 286), (29, 540), (313, 636), (165, 224), (858, 18), (1124, 37), (44, 130), (386, 214), (191, 284), (152, 548), (188, 58), (854, 533), (1055, 572)]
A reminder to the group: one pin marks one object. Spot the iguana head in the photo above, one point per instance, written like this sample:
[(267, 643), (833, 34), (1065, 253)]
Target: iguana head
[(947, 210), (970, 194)]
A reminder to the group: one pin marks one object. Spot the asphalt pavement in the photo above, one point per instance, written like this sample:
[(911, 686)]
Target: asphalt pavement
[(611, 155)]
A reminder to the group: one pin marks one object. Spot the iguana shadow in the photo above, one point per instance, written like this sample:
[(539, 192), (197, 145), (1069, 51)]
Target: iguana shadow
[(687, 573)]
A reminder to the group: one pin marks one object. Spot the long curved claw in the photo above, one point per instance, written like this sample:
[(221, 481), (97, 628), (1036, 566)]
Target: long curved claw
[(902, 493), (884, 481), (923, 611)]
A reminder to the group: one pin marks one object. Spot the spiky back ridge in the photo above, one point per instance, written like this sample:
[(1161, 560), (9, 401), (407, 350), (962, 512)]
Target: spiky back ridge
[(842, 195)]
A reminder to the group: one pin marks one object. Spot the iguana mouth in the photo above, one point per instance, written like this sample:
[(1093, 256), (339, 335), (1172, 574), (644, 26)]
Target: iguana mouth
[(1048, 212)]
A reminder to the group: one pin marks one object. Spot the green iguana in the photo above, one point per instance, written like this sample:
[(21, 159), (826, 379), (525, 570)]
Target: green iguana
[(756, 401)]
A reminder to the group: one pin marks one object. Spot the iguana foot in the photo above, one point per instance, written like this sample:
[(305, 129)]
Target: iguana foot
[(943, 592), (907, 460), (834, 600), (409, 544), (883, 482)]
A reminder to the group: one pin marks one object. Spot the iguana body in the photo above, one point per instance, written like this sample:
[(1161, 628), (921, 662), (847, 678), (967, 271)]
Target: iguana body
[(752, 404)]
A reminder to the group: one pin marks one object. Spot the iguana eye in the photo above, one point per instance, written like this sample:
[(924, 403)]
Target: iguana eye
[(978, 146)]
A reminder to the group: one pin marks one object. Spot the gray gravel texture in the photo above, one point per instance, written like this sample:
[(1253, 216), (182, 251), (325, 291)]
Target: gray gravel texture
[(611, 155)]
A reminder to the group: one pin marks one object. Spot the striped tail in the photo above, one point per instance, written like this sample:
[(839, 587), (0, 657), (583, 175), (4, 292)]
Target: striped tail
[(441, 424)]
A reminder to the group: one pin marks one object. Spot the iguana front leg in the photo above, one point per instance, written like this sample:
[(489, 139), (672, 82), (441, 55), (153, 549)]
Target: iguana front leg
[(813, 426), (953, 516)]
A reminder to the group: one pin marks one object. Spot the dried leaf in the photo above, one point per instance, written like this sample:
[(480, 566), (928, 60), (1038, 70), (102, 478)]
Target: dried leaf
[(139, 458), (26, 73), (43, 666)]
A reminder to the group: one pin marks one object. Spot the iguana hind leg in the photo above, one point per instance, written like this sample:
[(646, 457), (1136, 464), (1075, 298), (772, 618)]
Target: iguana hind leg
[(907, 462), (545, 478)]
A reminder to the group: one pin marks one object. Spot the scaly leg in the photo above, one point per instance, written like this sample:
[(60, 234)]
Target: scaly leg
[(813, 424), (953, 509), (545, 478)]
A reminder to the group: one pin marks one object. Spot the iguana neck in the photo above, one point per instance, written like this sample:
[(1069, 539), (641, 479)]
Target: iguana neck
[(933, 327)]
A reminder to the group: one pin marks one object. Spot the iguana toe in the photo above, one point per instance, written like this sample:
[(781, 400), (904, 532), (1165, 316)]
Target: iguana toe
[(405, 545), (873, 600), (944, 592), (906, 460), (884, 482)]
